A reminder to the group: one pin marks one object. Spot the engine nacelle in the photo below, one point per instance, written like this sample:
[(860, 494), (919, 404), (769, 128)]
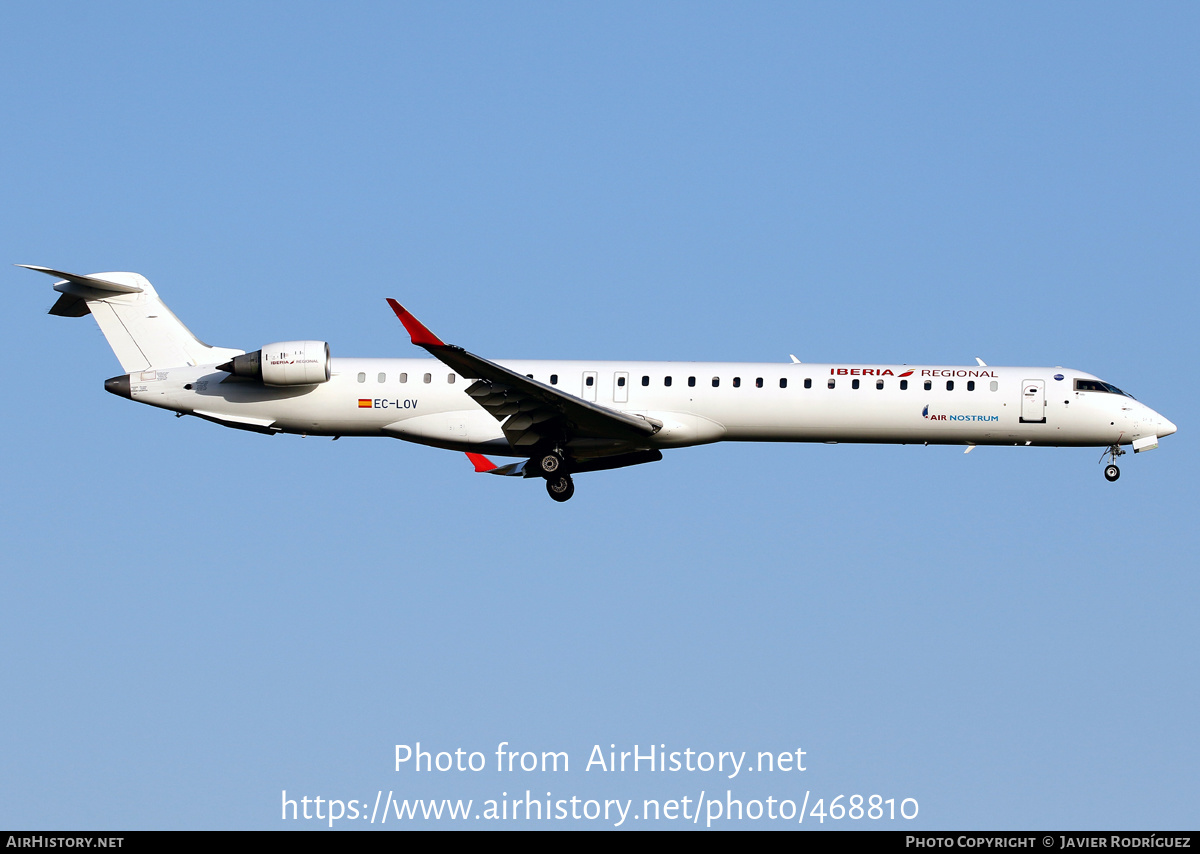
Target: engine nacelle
[(285, 363)]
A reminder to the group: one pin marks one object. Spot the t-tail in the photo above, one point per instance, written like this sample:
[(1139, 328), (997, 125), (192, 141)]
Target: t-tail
[(141, 330)]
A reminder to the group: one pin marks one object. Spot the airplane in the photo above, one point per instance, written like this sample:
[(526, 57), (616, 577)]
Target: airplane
[(563, 418)]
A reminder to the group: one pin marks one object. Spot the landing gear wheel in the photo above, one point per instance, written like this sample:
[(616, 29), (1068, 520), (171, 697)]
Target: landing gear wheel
[(560, 488), (550, 464), (1111, 472)]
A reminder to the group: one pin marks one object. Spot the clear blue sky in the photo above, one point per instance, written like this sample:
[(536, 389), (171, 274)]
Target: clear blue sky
[(195, 619)]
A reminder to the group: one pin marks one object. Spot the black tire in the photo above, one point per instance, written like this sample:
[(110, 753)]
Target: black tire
[(560, 488), (549, 464), (1111, 473)]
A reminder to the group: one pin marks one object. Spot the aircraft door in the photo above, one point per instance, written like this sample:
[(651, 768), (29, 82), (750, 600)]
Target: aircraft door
[(620, 387), (589, 385), (1033, 402)]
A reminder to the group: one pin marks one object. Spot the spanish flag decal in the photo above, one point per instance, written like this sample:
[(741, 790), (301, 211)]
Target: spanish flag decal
[(364, 403)]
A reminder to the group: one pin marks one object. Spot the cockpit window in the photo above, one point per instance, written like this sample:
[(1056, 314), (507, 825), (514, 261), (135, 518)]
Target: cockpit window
[(1097, 385)]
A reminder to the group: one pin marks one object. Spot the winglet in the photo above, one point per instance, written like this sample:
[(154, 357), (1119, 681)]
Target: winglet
[(421, 336), (482, 464)]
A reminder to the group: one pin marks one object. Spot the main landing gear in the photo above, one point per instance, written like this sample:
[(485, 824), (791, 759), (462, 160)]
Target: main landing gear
[(552, 465), (560, 488), (1111, 472)]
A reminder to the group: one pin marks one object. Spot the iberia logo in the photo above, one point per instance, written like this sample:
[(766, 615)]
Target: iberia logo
[(874, 372)]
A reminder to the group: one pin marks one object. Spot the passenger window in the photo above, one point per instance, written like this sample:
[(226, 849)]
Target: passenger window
[(758, 382), (667, 381), (716, 381), (995, 385), (620, 382), (970, 385), (949, 385), (362, 378), (450, 379), (382, 378), (737, 382), (903, 385), (645, 380), (928, 385), (783, 382), (404, 378), (808, 382), (854, 384), (554, 379), (879, 384), (428, 377), (691, 382), (832, 382), (590, 381)]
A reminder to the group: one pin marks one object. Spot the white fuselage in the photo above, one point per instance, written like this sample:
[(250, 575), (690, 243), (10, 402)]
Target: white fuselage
[(421, 400)]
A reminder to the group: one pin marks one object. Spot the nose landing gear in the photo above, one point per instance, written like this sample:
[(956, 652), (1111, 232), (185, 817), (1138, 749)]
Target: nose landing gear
[(1111, 472)]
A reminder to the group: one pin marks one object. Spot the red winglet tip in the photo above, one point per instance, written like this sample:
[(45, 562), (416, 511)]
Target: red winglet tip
[(481, 463), (421, 336)]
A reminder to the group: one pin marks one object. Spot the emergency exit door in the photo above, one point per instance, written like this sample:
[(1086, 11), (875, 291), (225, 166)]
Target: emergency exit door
[(620, 387)]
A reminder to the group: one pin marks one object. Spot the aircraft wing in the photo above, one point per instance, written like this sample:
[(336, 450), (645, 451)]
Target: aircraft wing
[(531, 412)]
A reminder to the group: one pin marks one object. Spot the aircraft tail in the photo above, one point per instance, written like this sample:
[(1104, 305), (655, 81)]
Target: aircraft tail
[(141, 330)]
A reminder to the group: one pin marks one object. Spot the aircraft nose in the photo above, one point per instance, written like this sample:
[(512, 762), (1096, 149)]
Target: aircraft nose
[(1166, 428)]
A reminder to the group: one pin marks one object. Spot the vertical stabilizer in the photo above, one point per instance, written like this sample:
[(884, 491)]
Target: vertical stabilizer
[(141, 330)]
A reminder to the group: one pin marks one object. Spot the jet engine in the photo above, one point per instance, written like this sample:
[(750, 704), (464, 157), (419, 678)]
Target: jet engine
[(285, 363)]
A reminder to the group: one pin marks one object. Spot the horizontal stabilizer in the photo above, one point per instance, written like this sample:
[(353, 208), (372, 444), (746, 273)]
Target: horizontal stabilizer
[(85, 281), (76, 290)]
